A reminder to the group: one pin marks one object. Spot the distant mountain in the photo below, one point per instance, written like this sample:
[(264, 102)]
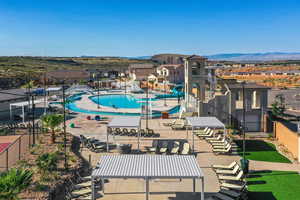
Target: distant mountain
[(141, 57), (255, 56)]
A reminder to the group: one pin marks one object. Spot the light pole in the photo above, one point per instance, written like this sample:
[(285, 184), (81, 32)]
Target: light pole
[(98, 92), (65, 133), (125, 83), (32, 115), (165, 91), (45, 92), (147, 104), (244, 161)]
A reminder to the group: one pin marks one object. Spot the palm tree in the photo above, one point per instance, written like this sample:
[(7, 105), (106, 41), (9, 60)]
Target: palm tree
[(28, 85), (14, 182), (52, 121)]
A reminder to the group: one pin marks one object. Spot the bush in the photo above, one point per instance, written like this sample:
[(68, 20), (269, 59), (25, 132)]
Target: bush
[(14, 182), (47, 163)]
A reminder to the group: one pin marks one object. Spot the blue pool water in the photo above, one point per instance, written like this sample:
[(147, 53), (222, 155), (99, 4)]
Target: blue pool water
[(118, 101), (72, 106)]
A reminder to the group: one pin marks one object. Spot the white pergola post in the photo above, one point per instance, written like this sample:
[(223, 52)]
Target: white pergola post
[(23, 113), (187, 132), (202, 190), (147, 188), (93, 189), (102, 185), (193, 139), (139, 134), (10, 112), (194, 185), (107, 146)]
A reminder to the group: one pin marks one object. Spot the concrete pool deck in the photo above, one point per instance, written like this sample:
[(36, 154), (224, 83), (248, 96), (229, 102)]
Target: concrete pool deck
[(160, 189)]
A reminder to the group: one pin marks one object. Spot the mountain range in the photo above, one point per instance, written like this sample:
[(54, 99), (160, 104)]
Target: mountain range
[(269, 56)]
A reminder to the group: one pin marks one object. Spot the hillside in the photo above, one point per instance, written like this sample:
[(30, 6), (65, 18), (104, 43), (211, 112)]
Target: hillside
[(21, 66)]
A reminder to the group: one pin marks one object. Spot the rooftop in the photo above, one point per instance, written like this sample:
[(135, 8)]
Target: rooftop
[(247, 85)]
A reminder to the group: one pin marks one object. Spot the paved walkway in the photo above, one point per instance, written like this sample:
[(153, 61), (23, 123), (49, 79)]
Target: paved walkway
[(261, 165), (163, 189)]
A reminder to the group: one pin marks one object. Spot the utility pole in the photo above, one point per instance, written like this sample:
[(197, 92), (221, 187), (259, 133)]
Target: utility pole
[(98, 92), (165, 91), (244, 161), (65, 133), (45, 94), (32, 115), (147, 104), (125, 83)]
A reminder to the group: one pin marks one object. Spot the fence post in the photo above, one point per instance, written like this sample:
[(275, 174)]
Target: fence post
[(7, 159), (20, 147)]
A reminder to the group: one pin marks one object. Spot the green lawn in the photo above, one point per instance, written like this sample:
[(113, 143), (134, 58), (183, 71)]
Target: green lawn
[(261, 151), (271, 185)]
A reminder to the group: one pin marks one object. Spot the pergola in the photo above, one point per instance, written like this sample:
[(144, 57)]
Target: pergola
[(125, 122), (203, 122), (22, 104), (148, 167)]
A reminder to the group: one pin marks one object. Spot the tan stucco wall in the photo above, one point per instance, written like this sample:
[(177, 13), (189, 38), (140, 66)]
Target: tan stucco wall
[(288, 138)]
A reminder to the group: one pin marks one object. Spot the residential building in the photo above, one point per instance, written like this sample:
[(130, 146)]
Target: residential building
[(141, 72), (256, 104), (173, 73), (69, 76)]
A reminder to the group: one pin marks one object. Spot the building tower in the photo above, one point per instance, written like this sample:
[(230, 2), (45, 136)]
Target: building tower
[(195, 77)]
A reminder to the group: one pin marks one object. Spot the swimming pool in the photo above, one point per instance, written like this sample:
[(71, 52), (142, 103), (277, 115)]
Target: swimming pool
[(118, 101), (72, 106)]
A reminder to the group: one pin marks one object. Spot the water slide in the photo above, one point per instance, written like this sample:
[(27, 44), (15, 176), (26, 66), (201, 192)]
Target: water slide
[(175, 93)]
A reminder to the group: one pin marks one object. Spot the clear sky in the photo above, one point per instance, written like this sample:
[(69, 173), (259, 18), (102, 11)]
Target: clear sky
[(147, 27)]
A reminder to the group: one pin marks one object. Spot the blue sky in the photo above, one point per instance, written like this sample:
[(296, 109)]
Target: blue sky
[(147, 27)]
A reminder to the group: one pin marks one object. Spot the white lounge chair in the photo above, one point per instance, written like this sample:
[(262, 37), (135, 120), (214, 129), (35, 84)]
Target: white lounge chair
[(214, 138), (233, 186), (210, 134), (207, 132), (175, 148), (218, 142), (221, 146), (230, 166), (81, 192), (221, 151), (179, 124), (238, 177), (202, 131), (222, 196), (234, 171), (231, 193), (185, 149)]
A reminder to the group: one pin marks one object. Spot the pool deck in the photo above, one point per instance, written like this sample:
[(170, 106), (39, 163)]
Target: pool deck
[(87, 104), (160, 189)]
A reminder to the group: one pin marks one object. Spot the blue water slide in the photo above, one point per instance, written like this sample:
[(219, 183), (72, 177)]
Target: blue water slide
[(176, 92)]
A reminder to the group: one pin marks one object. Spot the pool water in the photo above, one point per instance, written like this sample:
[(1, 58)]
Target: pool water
[(72, 106), (118, 101)]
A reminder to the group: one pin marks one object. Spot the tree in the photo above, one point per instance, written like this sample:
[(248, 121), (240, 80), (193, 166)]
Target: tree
[(14, 182), (47, 163), (29, 85), (278, 107), (52, 121)]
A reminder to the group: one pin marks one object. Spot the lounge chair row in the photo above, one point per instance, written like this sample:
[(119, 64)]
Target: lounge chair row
[(220, 144), (170, 147), (79, 188), (132, 132), (92, 144), (231, 182)]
